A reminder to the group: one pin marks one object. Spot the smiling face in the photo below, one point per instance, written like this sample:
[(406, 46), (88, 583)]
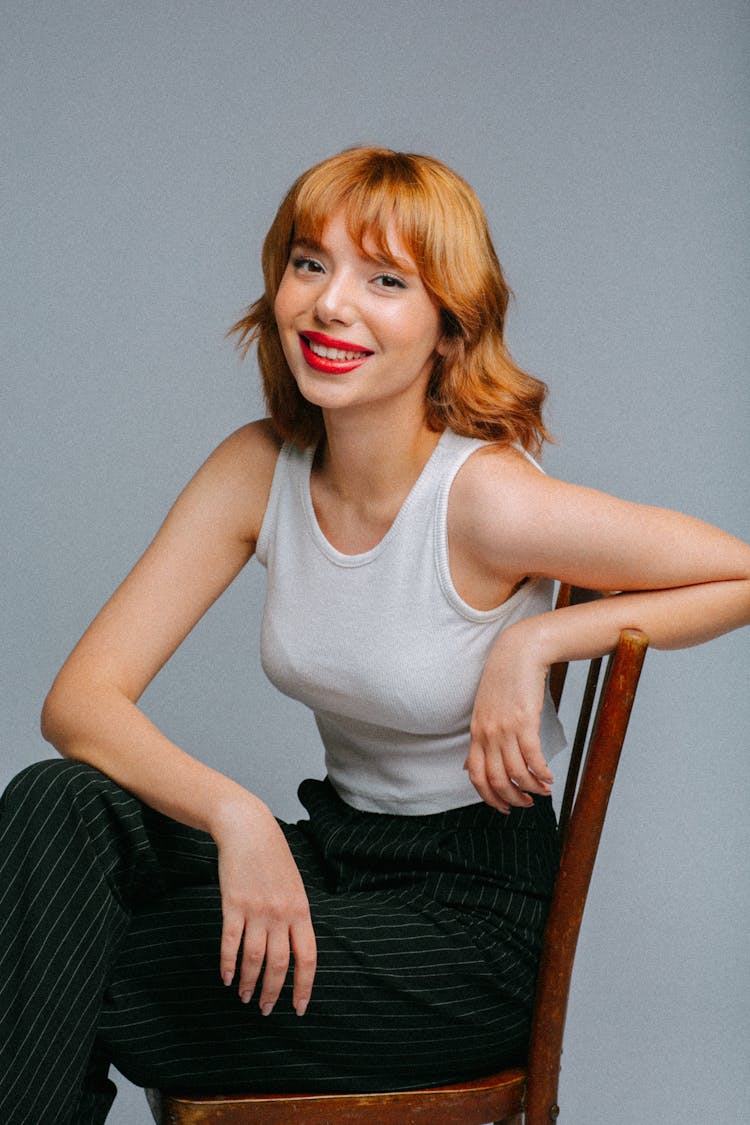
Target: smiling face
[(357, 328)]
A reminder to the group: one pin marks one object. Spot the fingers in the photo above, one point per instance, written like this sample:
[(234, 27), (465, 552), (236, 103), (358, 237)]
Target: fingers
[(266, 951), (506, 773), (274, 973), (251, 964), (534, 775), (232, 930), (305, 963), (266, 914)]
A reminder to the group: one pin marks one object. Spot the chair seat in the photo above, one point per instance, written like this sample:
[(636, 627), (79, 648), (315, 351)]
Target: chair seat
[(499, 1097)]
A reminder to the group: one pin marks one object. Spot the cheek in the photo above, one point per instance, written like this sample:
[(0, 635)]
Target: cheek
[(425, 335), (429, 325), (285, 304), (283, 314), (414, 329), (279, 306)]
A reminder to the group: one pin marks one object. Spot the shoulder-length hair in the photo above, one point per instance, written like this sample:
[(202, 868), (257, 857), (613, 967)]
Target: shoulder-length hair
[(475, 387)]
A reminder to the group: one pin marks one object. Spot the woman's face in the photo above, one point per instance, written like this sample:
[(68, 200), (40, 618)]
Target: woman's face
[(356, 330)]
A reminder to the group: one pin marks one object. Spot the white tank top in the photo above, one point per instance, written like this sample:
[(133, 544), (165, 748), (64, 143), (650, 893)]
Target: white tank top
[(379, 644)]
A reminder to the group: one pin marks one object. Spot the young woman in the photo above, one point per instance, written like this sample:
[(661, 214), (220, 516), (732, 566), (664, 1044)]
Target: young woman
[(154, 913)]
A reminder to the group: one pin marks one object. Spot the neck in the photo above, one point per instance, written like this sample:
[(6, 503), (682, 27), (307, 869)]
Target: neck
[(373, 461)]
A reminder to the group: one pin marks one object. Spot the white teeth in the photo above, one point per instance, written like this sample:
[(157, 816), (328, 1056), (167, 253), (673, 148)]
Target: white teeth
[(333, 353)]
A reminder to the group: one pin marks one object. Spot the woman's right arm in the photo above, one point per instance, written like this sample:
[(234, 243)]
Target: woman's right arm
[(91, 711)]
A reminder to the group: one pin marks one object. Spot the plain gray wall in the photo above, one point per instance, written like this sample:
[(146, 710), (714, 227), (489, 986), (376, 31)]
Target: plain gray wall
[(149, 143)]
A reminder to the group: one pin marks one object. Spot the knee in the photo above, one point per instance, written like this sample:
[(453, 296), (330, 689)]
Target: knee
[(43, 782)]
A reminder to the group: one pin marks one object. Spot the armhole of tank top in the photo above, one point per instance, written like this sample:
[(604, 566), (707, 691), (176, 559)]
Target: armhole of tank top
[(272, 505), (442, 553)]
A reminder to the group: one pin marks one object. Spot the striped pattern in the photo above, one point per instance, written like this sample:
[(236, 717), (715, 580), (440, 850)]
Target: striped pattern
[(428, 931)]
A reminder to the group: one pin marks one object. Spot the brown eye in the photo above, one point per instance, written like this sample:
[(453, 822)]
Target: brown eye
[(390, 281), (306, 265)]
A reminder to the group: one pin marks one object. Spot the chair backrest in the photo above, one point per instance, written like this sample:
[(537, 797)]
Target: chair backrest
[(588, 785)]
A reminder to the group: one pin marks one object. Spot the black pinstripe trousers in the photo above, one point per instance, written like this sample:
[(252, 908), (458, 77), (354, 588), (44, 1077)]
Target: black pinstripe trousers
[(428, 932)]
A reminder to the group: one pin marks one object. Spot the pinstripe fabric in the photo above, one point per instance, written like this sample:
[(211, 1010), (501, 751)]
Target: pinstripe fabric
[(428, 931)]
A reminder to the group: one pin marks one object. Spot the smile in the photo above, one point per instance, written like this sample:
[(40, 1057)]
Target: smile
[(323, 353)]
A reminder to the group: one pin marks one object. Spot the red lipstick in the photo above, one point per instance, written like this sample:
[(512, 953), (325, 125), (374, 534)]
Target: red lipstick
[(331, 366)]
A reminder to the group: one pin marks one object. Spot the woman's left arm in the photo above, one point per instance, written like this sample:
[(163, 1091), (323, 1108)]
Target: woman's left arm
[(681, 581)]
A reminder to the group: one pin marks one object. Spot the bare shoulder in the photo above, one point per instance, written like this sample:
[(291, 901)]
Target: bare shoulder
[(494, 486), (234, 482), (497, 464), (489, 501), (254, 446), (513, 519), (517, 520)]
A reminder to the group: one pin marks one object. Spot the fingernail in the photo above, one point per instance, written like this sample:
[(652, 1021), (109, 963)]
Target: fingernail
[(226, 977), (301, 1007), (245, 997), (266, 1009)]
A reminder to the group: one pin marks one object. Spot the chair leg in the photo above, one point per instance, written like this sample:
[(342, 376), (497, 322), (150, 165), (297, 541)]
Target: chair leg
[(153, 1097)]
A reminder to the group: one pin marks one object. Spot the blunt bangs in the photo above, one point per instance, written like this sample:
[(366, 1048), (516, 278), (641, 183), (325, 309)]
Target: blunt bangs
[(378, 192)]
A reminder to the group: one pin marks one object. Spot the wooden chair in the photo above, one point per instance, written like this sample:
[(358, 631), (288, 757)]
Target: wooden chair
[(522, 1095)]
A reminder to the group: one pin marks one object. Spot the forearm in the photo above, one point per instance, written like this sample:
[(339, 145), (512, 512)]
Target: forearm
[(673, 618), (506, 759), (101, 726), (262, 894)]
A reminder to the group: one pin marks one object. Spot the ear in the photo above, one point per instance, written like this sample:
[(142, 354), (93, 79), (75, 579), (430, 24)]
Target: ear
[(442, 345)]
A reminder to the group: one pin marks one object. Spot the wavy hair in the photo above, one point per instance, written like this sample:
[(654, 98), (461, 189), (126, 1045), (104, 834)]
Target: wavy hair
[(475, 388)]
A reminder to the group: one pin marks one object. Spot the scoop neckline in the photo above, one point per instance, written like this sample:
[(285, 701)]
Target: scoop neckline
[(341, 558)]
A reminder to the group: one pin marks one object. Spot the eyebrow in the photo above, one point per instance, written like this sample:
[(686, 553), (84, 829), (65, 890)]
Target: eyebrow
[(317, 247), (307, 244)]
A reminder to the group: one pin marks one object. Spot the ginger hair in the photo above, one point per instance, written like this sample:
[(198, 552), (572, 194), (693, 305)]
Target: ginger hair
[(475, 387)]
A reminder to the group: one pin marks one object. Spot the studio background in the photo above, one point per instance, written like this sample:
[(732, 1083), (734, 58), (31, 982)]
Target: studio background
[(148, 144)]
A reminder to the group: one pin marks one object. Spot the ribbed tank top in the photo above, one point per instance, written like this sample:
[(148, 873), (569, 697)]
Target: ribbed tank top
[(379, 644)]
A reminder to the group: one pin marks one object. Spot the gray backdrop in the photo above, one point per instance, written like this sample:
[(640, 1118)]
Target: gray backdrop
[(150, 143)]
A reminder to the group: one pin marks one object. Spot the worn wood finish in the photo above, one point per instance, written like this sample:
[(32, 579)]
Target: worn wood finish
[(480, 1101), (526, 1096), (558, 672), (580, 845)]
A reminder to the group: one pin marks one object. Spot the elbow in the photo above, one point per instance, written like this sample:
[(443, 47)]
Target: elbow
[(76, 714), (62, 718), (52, 719)]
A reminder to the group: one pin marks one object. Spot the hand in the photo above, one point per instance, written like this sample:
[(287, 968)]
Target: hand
[(505, 760), (264, 907)]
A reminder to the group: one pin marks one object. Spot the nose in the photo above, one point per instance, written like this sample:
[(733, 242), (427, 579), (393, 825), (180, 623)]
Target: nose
[(335, 300)]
